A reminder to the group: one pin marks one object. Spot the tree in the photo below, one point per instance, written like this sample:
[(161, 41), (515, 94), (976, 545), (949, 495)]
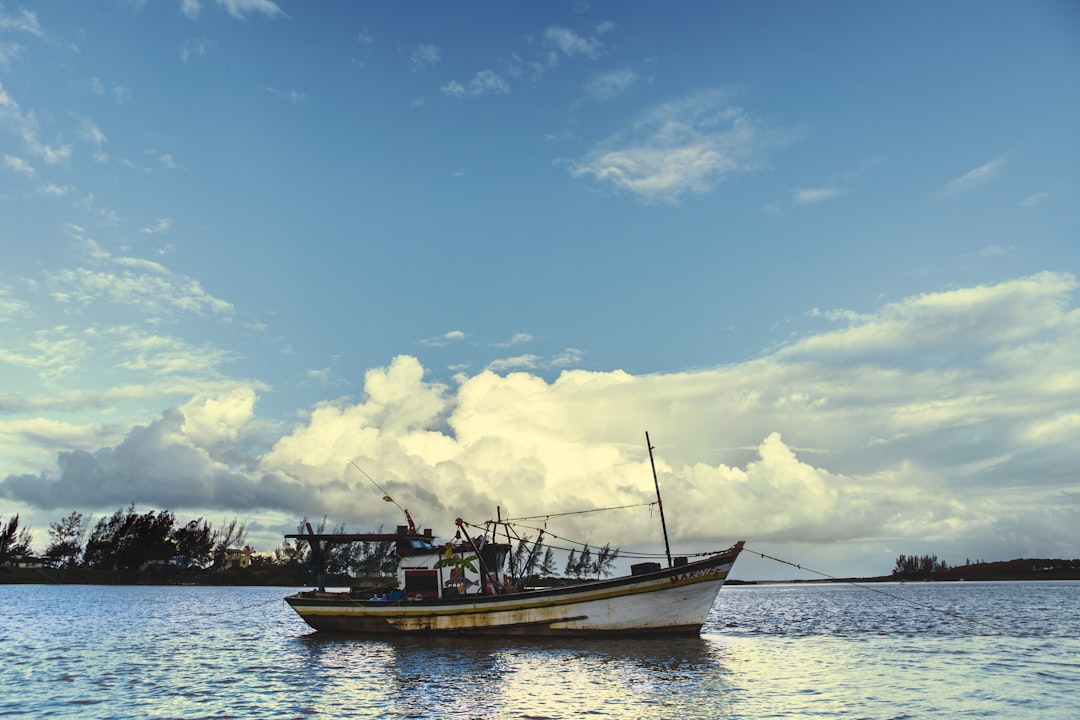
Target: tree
[(66, 537), (128, 540), (195, 542), (924, 567), (230, 534), (548, 567), (571, 563), (14, 542), (605, 560)]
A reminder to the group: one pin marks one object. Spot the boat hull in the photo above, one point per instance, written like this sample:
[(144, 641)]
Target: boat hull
[(672, 601)]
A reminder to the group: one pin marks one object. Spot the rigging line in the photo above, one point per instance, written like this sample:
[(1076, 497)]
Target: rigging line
[(386, 495), (894, 596), (578, 512), (238, 609)]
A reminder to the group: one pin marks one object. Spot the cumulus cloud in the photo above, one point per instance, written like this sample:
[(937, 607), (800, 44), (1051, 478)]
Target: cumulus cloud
[(688, 145), (948, 417)]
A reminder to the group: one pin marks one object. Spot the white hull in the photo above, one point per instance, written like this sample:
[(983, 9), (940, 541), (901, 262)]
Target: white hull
[(674, 600)]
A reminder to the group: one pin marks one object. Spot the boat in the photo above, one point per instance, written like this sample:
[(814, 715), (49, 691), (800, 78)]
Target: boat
[(465, 586)]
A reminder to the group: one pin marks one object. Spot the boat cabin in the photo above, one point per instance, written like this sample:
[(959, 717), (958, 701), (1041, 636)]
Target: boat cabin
[(426, 570)]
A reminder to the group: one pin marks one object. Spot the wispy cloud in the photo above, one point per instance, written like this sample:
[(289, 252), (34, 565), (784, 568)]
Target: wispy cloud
[(444, 339), (808, 196), (24, 125), (610, 85), (18, 166), (23, 20), (133, 282), (424, 56), (292, 96), (486, 82), (974, 178), (688, 145), (1034, 199), (240, 9), (194, 47), (569, 43)]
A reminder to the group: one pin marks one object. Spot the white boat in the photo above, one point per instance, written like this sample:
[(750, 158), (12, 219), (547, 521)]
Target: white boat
[(461, 587)]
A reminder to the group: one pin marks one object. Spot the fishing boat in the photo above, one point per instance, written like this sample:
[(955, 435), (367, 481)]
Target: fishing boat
[(465, 586)]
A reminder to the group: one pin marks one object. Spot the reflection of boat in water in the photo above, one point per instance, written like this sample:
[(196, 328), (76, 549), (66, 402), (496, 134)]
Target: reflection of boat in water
[(461, 587)]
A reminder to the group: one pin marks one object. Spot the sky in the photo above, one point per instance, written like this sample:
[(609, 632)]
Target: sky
[(260, 256)]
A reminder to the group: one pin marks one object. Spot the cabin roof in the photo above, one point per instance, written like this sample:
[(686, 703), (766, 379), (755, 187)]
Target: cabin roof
[(359, 537)]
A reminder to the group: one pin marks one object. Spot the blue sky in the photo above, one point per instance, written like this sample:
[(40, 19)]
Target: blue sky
[(826, 253)]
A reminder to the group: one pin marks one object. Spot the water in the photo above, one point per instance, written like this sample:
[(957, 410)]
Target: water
[(776, 651)]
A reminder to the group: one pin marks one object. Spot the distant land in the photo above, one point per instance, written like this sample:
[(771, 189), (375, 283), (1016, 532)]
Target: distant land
[(1006, 570), (1002, 570)]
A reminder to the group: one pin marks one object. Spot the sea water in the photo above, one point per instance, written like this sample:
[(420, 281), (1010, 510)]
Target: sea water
[(915, 650)]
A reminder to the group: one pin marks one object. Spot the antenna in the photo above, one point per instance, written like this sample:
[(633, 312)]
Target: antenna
[(659, 502)]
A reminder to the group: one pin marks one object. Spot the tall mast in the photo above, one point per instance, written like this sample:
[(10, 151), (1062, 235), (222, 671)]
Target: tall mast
[(659, 501)]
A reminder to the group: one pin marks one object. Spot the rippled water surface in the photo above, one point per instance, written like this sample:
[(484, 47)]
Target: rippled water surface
[(944, 650)]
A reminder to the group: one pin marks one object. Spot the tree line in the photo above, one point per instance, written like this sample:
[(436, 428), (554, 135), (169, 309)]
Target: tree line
[(125, 540), (129, 540)]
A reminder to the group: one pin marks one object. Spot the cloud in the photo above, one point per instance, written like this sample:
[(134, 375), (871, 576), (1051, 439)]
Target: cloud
[(194, 47), (162, 225), (424, 56), (190, 9), (24, 21), (1034, 199), (134, 282), (570, 44), (688, 145), (610, 85), (973, 178), (945, 418), (444, 339), (807, 196), (486, 82), (24, 126), (240, 9), (516, 339), (18, 166)]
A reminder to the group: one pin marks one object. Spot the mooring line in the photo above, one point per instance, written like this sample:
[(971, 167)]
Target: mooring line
[(894, 596), (242, 607)]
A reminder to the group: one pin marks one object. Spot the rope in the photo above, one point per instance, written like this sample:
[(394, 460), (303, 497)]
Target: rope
[(577, 512), (879, 591)]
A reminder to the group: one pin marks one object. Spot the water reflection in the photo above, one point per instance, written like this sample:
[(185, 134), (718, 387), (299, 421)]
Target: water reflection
[(466, 677)]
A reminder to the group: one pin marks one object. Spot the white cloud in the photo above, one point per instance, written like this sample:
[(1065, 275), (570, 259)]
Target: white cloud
[(18, 166), (485, 82), (194, 47), (947, 417), (424, 56), (610, 85), (24, 125), (139, 284), (569, 43), (807, 196), (190, 9), (973, 178), (24, 21), (688, 145), (8, 52), (1034, 199), (240, 9)]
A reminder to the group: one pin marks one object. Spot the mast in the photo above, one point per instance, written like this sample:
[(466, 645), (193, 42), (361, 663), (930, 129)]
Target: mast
[(659, 502)]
